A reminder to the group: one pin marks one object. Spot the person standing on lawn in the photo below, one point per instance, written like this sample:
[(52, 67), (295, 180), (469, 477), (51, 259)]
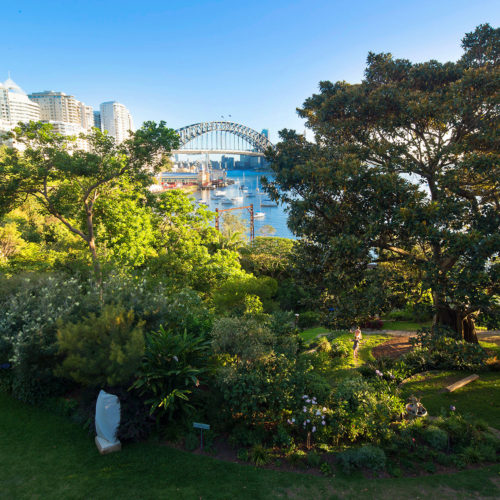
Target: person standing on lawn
[(356, 341)]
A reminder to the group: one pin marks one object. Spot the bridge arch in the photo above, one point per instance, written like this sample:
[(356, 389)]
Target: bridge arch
[(257, 140)]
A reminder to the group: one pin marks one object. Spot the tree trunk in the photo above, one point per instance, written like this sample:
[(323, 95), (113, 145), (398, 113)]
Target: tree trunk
[(463, 325), (93, 251)]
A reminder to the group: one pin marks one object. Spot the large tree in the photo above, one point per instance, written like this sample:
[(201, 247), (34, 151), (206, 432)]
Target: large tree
[(404, 168), (68, 181)]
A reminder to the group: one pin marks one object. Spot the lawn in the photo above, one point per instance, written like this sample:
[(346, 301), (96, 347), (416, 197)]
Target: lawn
[(480, 398), (47, 456)]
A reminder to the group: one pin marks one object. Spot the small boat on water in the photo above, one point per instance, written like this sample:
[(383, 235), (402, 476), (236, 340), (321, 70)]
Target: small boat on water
[(237, 199), (227, 201), (259, 215), (219, 193)]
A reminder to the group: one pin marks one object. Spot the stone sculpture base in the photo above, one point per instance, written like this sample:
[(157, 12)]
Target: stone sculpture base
[(105, 447)]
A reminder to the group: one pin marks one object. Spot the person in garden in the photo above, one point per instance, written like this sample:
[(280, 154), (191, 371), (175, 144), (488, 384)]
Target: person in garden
[(356, 341)]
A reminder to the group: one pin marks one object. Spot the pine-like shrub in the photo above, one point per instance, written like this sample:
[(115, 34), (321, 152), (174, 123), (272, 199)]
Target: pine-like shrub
[(101, 350)]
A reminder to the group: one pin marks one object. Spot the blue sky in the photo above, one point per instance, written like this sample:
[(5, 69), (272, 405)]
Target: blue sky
[(190, 61)]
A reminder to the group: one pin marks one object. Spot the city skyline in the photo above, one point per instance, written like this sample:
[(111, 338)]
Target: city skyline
[(191, 62)]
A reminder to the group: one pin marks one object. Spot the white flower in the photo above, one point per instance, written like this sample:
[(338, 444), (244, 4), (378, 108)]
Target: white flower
[(324, 408), (314, 428), (293, 420), (314, 401), (176, 358), (308, 400), (304, 409), (378, 373), (308, 421), (318, 413), (305, 396), (323, 422)]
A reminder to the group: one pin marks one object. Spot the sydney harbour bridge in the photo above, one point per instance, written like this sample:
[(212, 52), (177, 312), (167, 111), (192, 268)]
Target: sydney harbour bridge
[(221, 137)]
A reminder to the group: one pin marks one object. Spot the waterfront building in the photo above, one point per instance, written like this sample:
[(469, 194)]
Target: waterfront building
[(15, 106), (116, 119)]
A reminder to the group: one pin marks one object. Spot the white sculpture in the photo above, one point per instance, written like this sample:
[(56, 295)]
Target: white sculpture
[(107, 420)]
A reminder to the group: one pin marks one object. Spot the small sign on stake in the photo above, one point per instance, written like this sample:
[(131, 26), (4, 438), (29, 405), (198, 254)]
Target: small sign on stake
[(202, 427)]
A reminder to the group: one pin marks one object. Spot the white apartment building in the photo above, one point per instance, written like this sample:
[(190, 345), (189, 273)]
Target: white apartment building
[(15, 106), (64, 108), (116, 119)]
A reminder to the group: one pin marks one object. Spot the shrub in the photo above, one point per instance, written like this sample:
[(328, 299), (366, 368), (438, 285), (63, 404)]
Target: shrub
[(326, 469), (230, 298), (31, 306), (361, 409), (368, 457), (437, 349), (259, 455), (313, 459), (191, 441), (242, 455), (171, 369), (297, 458), (309, 319), (101, 350), (436, 438)]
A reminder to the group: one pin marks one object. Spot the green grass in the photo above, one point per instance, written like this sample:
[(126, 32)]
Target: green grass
[(46, 456), (408, 326), (480, 398), (312, 333)]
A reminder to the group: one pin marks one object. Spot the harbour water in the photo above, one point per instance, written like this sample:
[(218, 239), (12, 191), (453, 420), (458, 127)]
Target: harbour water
[(248, 184)]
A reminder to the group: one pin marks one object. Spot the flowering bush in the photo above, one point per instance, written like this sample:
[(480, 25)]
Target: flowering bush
[(309, 419)]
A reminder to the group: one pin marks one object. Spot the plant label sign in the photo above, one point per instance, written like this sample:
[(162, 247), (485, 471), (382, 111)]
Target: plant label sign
[(202, 427), (197, 425)]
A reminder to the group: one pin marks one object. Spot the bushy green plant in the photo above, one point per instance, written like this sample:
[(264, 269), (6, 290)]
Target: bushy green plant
[(436, 438), (361, 409), (308, 319), (31, 305), (191, 441), (326, 469), (171, 369), (243, 455), (101, 350), (259, 455), (436, 348), (313, 459), (230, 297), (368, 457)]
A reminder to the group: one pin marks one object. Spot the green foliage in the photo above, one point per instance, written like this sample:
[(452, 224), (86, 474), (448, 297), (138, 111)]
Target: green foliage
[(364, 410), (67, 181), (191, 441), (101, 350), (436, 438), (268, 257), (435, 349), (125, 229), (230, 297), (259, 455), (190, 252), (31, 306), (308, 319), (404, 168), (171, 370), (366, 457)]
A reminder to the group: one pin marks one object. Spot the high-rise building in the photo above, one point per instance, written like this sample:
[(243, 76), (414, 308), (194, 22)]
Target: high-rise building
[(61, 107), (15, 106), (116, 119), (97, 119), (87, 114)]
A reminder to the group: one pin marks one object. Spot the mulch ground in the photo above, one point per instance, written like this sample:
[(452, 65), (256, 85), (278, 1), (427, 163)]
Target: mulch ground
[(393, 348)]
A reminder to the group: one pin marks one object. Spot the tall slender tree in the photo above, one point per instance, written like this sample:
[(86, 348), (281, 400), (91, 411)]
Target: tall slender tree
[(68, 181), (405, 167)]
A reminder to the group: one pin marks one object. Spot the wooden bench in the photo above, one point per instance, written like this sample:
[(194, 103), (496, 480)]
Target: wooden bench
[(461, 383)]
